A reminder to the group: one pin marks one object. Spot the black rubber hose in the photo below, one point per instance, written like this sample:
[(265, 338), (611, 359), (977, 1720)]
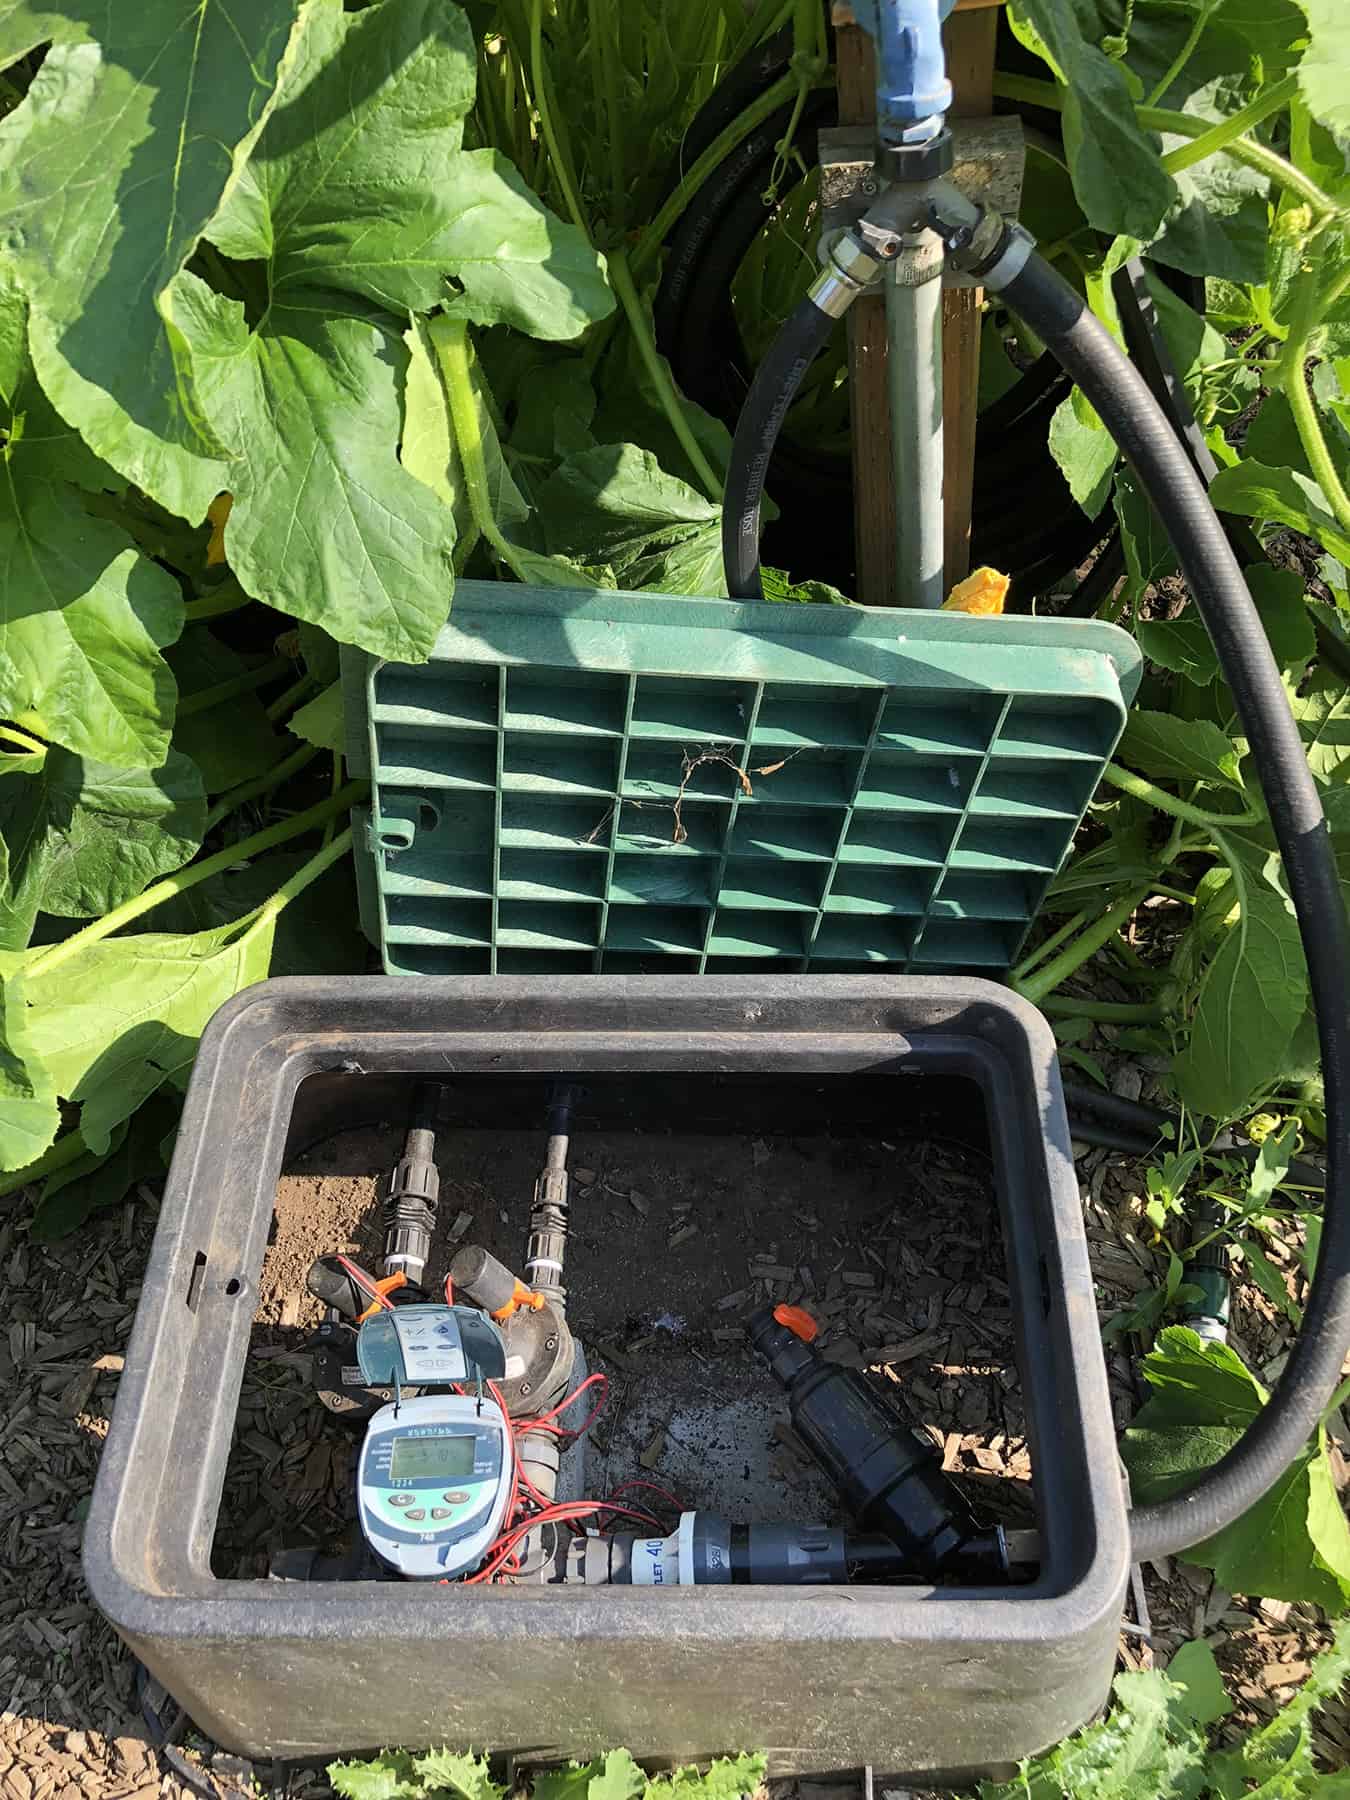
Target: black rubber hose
[(772, 392), (1063, 322), (1111, 1123)]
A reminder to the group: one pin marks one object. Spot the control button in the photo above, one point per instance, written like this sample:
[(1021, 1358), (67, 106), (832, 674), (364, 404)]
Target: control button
[(456, 1497), (418, 1512), (400, 1499), (441, 1512)]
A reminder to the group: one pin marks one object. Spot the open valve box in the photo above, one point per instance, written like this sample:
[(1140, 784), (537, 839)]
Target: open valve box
[(603, 1405)]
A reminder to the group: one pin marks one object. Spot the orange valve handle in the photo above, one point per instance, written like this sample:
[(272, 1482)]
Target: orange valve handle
[(798, 1321), (521, 1296), (384, 1286)]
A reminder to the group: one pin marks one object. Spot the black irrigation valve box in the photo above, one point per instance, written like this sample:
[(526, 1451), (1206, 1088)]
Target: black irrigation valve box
[(911, 1680)]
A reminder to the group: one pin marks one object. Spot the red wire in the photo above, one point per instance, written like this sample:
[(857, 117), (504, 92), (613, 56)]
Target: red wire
[(545, 1420), (652, 1487), (503, 1557), (566, 1512)]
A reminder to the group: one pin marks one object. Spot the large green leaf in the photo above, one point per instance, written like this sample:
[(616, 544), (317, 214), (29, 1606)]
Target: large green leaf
[(1322, 71), (1184, 645), (362, 206), (1116, 174), (366, 190), (1218, 224), (1179, 749), (616, 505), (1280, 496), (457, 1773), (1149, 556), (326, 523), (83, 615), (1149, 1747), (115, 1020), (91, 1183), (1323, 715), (134, 126), (1086, 454), (1252, 995), (83, 837), (29, 1114), (1289, 1546)]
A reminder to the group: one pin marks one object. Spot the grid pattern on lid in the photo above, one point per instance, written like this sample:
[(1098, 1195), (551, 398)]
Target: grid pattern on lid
[(542, 811)]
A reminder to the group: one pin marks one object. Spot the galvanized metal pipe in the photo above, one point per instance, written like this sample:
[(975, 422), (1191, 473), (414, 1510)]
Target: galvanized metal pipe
[(914, 374)]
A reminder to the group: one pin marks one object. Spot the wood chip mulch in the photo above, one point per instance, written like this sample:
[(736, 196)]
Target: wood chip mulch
[(71, 1727)]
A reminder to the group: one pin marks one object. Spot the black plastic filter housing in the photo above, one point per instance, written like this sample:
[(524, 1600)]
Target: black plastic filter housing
[(886, 1471), (913, 1680)]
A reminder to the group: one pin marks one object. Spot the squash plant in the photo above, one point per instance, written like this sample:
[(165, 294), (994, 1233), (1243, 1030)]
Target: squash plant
[(313, 307)]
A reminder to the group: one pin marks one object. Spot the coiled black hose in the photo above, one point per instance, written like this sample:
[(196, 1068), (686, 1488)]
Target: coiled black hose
[(1064, 323), (772, 392)]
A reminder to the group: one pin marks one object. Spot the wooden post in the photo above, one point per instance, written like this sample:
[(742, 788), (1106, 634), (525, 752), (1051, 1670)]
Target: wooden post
[(969, 36)]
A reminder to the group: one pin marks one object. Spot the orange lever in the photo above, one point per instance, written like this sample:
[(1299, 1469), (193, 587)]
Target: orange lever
[(385, 1285), (521, 1297), (798, 1321)]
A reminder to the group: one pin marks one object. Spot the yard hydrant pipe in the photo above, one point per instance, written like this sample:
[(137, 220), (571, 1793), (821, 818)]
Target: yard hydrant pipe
[(1062, 320)]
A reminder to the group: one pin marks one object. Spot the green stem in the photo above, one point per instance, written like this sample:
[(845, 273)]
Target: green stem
[(622, 281), (609, 85), (655, 233), (1219, 136), (323, 858), (206, 698), (807, 65), (1030, 90), (286, 702), (1105, 1012), (1243, 149), (183, 879), (21, 740), (1055, 973), (215, 606), (235, 797), (62, 1153), (1310, 306), (452, 352), (1162, 801), (1248, 150), (1333, 1406), (543, 100), (1187, 50), (1048, 946)]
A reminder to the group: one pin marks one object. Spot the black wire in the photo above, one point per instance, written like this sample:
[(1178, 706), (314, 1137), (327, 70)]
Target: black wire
[(1110, 1123)]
